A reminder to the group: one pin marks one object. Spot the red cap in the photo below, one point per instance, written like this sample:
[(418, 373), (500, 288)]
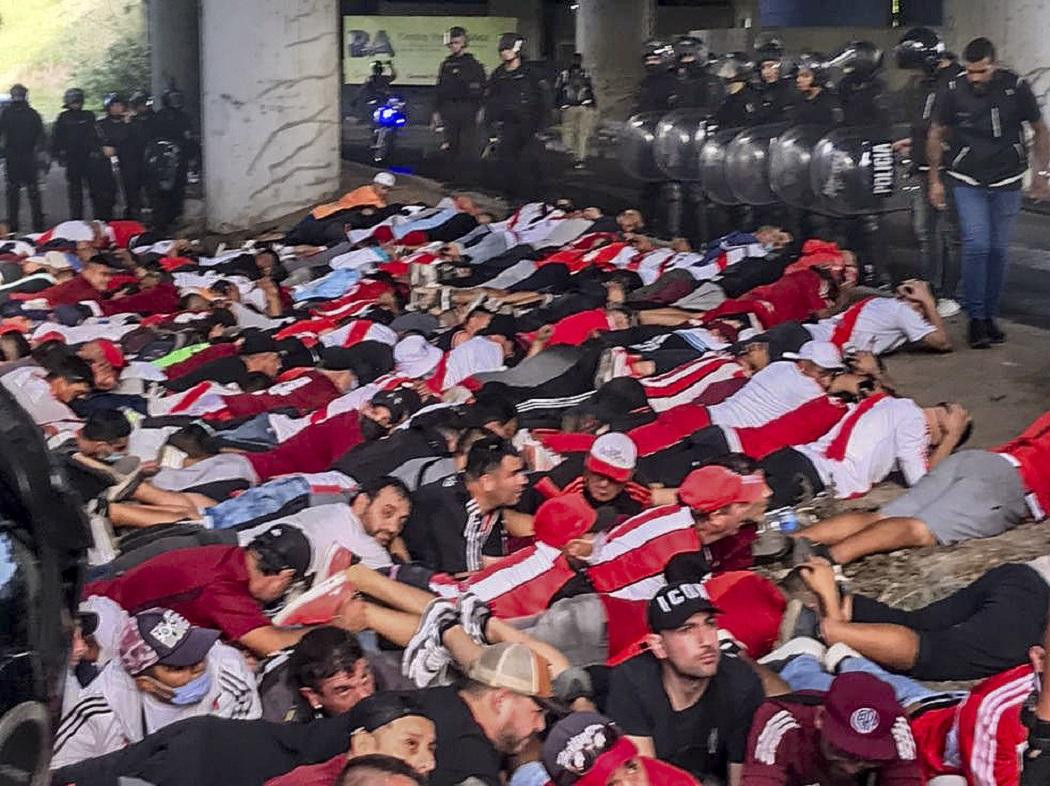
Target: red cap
[(711, 488), (562, 519), (614, 456), (111, 352), (51, 335), (863, 719)]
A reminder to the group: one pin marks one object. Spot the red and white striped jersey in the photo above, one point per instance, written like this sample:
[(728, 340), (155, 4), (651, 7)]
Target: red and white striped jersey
[(522, 583), (689, 381)]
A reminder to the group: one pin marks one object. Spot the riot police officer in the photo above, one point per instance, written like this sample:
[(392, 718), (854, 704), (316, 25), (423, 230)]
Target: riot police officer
[(114, 133), (140, 117), (22, 136), (460, 88), (516, 107), (815, 102), (776, 91), (697, 87), (658, 91), (73, 139), (920, 49), (172, 146), (742, 106), (376, 88)]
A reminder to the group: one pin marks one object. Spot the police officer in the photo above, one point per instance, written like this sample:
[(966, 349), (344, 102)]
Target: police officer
[(921, 50), (140, 117), (697, 87), (776, 91), (460, 88), (815, 103), (574, 95), (73, 139), (376, 88), (172, 146), (742, 106), (516, 106), (658, 91), (114, 133), (22, 137)]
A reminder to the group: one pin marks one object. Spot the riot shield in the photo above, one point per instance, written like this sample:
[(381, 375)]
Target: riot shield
[(747, 164), (712, 167), (679, 136), (636, 147), (854, 171), (790, 154)]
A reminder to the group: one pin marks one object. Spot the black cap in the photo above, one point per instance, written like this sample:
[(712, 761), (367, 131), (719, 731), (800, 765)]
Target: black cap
[(402, 402), (676, 603), (282, 547), (615, 399), (383, 708), (257, 343)]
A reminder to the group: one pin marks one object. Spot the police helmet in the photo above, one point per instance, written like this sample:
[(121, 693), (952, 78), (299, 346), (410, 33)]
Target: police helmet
[(73, 96), (734, 67), (771, 49), (172, 99), (139, 99), (657, 53), (113, 98), (919, 48), (859, 60), (456, 32), (817, 64), (690, 46), (377, 67), (19, 93), (512, 41)]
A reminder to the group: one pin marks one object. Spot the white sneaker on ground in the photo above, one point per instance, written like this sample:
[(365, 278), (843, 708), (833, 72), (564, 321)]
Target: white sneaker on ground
[(794, 648), (947, 307), (836, 654)]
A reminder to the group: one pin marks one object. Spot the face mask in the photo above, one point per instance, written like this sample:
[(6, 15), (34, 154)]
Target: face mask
[(193, 691), (113, 458), (371, 430)]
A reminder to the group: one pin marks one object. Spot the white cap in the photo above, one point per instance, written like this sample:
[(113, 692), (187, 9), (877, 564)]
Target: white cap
[(384, 179), (613, 455), (415, 357), (56, 260), (823, 353)]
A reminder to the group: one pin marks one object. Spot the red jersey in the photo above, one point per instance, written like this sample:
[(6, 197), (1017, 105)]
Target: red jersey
[(523, 583), (784, 748), (800, 426), (314, 449), (1030, 453), (796, 296), (577, 328), (660, 774), (303, 394), (683, 385)]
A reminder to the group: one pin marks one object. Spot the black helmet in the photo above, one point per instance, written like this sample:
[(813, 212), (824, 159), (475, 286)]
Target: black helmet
[(734, 67), (817, 64), (858, 60), (690, 46), (19, 93), (771, 49), (455, 32), (73, 96), (377, 67), (513, 41), (172, 99), (113, 98), (139, 98), (919, 48), (658, 54)]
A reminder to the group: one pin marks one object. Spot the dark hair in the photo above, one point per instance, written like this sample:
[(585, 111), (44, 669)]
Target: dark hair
[(371, 770), (469, 436), (14, 343), (50, 353), (967, 432), (256, 381), (72, 369), (486, 455), (371, 488), (106, 425), (196, 441), (323, 653), (735, 462), (491, 407), (978, 49)]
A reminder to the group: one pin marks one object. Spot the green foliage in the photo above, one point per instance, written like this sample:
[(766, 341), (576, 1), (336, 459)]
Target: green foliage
[(124, 68)]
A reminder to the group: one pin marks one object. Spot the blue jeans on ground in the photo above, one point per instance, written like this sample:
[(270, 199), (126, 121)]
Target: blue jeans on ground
[(986, 220), (807, 673), (255, 502)]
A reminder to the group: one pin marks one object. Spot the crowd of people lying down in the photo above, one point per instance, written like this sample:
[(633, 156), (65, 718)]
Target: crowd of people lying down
[(429, 494)]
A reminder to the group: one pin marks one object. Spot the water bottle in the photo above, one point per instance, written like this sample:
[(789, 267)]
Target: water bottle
[(783, 520)]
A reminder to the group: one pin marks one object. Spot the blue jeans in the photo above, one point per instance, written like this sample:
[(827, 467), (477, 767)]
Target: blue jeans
[(807, 673), (986, 220), (256, 502)]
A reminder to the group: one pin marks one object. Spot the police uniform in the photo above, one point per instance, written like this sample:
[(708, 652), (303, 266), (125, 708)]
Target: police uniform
[(73, 140), (517, 102), (22, 132), (460, 87), (697, 87), (113, 132), (658, 92), (821, 110), (172, 126)]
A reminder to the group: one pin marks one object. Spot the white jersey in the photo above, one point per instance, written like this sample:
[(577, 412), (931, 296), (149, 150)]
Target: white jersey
[(328, 527), (33, 392), (475, 356), (777, 389), (113, 713), (892, 433), (883, 325)]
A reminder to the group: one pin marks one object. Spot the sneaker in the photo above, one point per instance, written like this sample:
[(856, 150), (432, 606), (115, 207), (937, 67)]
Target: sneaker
[(474, 616), (799, 621), (426, 661), (947, 307), (836, 654), (778, 658), (995, 335), (728, 645), (978, 335), (612, 364)]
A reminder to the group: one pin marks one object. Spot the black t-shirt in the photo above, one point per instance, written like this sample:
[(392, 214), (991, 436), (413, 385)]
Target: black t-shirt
[(447, 530), (225, 371), (463, 750), (86, 482), (703, 739)]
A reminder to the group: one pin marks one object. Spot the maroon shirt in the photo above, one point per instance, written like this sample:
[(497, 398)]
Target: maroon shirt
[(313, 391), (314, 449), (68, 292), (206, 585)]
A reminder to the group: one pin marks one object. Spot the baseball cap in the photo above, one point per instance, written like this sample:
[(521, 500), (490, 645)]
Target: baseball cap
[(257, 343), (402, 402), (282, 547), (823, 353), (415, 357), (673, 604), (584, 749), (562, 519), (56, 260), (384, 179), (613, 455), (862, 717), (711, 488), (112, 353), (163, 636), (512, 666)]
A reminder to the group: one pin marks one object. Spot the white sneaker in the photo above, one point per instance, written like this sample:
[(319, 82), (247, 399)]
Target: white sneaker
[(947, 307), (794, 648), (474, 616), (426, 661), (836, 654), (612, 364)]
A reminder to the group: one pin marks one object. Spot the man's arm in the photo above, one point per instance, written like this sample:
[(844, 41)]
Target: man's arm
[(934, 154), (919, 292)]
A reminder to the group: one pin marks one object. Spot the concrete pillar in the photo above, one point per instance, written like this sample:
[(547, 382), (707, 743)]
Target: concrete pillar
[(269, 108), (609, 35), (174, 45)]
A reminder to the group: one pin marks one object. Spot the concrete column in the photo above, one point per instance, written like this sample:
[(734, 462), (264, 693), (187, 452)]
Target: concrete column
[(609, 35), (174, 45), (270, 108)]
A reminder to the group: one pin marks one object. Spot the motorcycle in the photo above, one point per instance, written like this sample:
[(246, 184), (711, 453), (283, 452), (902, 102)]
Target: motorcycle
[(387, 118)]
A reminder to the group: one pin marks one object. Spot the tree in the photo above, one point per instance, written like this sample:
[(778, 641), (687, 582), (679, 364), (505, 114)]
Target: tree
[(123, 68)]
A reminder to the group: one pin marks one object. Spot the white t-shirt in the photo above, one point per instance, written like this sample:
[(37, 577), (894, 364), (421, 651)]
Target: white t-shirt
[(31, 389), (328, 527), (777, 389), (475, 356), (883, 325), (892, 433)]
